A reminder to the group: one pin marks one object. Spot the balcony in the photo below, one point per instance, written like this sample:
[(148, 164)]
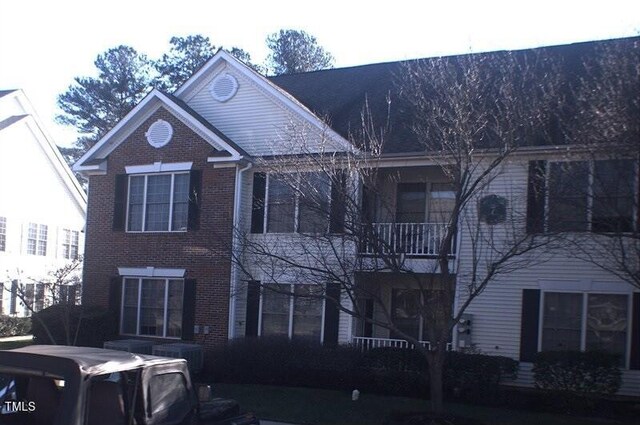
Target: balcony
[(411, 239)]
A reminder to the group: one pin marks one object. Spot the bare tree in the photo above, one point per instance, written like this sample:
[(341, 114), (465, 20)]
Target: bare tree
[(605, 121), (471, 119), (61, 287)]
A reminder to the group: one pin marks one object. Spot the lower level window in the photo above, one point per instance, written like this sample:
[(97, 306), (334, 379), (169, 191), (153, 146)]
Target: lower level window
[(152, 307), (578, 321), (292, 311)]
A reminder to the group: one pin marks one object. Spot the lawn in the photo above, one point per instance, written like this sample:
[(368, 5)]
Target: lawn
[(8, 345), (319, 407)]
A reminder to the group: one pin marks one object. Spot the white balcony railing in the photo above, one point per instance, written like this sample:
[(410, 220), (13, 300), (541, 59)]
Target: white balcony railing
[(419, 239), (367, 343)]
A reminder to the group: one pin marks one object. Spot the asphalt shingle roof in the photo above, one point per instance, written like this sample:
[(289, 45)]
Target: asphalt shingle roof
[(339, 95)]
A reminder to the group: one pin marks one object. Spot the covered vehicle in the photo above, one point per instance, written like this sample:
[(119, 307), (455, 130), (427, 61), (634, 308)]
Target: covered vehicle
[(62, 385)]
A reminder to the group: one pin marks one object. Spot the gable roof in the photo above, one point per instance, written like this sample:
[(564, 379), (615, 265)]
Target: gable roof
[(93, 159), (30, 118), (340, 94), (5, 92), (191, 86)]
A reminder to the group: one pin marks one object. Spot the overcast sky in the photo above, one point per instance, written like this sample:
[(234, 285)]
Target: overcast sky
[(45, 44)]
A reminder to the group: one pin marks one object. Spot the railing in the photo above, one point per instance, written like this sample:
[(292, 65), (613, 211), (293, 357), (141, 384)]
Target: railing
[(364, 343), (419, 239)]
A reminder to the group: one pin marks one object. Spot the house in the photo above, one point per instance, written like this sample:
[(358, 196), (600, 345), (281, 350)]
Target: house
[(197, 207), (43, 206)]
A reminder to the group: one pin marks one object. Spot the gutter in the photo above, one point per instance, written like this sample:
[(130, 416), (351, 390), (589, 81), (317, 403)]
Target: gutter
[(234, 249)]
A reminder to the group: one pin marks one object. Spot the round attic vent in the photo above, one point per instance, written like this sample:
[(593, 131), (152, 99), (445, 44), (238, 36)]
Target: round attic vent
[(224, 87), (159, 133)]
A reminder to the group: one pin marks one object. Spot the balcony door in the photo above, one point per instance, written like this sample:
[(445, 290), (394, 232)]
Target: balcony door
[(411, 203), (442, 199)]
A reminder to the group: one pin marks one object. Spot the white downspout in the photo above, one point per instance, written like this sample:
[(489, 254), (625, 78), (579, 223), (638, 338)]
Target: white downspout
[(234, 249)]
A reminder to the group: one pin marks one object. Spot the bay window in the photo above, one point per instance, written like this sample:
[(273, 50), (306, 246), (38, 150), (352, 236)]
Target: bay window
[(158, 202), (291, 311), (152, 307)]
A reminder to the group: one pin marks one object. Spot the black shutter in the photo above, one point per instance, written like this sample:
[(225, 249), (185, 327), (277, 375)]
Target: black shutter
[(536, 197), (13, 302), (529, 324), (367, 329), (257, 207), (635, 333), (188, 309), (253, 308), (120, 202), (331, 315), (195, 194), (115, 299), (338, 202)]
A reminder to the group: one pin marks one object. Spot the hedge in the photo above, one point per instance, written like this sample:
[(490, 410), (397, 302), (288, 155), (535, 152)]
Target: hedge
[(14, 326), (94, 325), (581, 372), (391, 371)]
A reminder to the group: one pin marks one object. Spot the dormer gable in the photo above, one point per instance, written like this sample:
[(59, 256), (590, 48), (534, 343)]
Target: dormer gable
[(258, 115), (151, 113)]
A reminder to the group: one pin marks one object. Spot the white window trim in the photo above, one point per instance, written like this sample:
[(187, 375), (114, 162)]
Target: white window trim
[(159, 167), (144, 204), (151, 272), (291, 301), (63, 235), (583, 319), (139, 308), (296, 205), (38, 240)]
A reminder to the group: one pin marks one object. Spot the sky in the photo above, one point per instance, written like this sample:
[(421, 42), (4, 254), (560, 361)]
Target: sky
[(44, 44)]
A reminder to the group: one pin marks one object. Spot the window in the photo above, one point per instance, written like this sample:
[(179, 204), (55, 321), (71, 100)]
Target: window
[(169, 398), (158, 202), (152, 307), (3, 234), (39, 301), (37, 239), (405, 306), (291, 311), (70, 244), (596, 196), (298, 203), (581, 321)]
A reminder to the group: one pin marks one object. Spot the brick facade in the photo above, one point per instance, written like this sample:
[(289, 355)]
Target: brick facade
[(204, 253)]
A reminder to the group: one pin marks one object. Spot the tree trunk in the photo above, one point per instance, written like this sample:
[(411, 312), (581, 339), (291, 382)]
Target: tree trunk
[(435, 360)]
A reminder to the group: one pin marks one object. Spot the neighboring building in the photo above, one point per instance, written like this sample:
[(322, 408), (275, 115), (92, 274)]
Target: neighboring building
[(42, 205), (171, 182)]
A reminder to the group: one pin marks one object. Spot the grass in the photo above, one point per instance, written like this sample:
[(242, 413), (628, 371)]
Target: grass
[(319, 407)]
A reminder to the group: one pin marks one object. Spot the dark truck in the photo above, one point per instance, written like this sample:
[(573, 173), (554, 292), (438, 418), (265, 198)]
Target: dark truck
[(61, 385)]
